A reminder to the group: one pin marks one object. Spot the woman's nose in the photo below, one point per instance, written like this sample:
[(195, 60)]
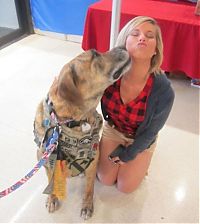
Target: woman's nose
[(142, 37)]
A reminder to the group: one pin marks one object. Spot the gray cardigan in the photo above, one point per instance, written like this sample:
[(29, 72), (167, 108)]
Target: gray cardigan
[(159, 105)]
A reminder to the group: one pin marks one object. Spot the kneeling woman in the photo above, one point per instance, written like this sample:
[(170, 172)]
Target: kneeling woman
[(135, 108)]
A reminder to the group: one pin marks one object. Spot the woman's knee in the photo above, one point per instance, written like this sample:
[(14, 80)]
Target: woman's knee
[(128, 185), (105, 180), (126, 188)]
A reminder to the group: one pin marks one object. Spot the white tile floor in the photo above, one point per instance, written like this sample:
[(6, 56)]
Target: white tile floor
[(168, 195)]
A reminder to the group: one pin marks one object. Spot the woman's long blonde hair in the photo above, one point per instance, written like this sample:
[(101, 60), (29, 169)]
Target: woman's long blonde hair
[(156, 59)]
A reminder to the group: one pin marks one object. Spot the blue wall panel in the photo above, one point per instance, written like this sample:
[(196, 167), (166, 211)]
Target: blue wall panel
[(61, 16)]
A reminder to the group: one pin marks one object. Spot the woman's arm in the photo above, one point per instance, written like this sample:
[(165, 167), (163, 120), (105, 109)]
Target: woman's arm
[(144, 139)]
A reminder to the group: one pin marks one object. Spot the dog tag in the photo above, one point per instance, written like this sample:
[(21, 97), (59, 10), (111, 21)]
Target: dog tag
[(85, 127), (46, 122)]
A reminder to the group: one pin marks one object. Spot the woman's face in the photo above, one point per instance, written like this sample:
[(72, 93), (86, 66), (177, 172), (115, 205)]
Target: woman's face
[(141, 42)]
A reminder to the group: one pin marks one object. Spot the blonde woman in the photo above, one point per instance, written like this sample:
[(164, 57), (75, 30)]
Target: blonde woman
[(135, 108)]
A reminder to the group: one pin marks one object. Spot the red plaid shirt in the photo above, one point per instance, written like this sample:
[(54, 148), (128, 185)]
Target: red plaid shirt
[(126, 117)]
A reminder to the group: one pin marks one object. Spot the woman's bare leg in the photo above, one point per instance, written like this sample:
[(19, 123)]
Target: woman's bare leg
[(107, 171), (127, 176), (131, 174)]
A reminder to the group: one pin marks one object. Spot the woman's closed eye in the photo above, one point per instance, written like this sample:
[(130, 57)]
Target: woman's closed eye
[(135, 33), (148, 34)]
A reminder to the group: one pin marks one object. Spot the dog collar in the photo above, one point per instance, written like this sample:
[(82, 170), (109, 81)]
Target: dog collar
[(70, 123)]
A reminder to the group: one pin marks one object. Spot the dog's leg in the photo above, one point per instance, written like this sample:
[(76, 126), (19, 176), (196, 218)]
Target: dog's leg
[(57, 185), (52, 202), (87, 205)]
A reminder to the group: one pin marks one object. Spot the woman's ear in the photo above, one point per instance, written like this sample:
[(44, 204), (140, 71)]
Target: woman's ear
[(67, 87)]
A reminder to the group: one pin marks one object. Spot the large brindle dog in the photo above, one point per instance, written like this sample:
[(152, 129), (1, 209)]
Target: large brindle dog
[(71, 104)]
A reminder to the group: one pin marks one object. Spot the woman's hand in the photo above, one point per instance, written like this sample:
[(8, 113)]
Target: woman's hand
[(114, 156), (116, 160), (121, 154)]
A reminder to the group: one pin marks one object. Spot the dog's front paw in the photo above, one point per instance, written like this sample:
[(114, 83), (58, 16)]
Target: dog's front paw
[(87, 211), (52, 203)]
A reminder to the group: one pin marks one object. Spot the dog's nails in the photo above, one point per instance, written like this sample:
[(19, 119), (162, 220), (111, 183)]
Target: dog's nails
[(86, 213), (83, 213)]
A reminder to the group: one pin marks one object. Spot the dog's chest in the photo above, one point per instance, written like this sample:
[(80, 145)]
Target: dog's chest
[(76, 146), (79, 148)]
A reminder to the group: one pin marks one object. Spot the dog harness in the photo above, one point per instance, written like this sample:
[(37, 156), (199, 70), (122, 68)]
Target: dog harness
[(75, 150)]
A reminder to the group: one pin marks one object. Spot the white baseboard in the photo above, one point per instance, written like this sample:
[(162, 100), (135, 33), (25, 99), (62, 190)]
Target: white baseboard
[(67, 37)]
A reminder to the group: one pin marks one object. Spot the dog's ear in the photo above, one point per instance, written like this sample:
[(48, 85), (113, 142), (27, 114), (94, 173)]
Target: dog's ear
[(68, 86)]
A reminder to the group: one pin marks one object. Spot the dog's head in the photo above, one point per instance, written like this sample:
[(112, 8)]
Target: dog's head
[(82, 81)]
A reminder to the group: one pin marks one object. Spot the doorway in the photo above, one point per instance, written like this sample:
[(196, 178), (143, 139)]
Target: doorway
[(15, 21)]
